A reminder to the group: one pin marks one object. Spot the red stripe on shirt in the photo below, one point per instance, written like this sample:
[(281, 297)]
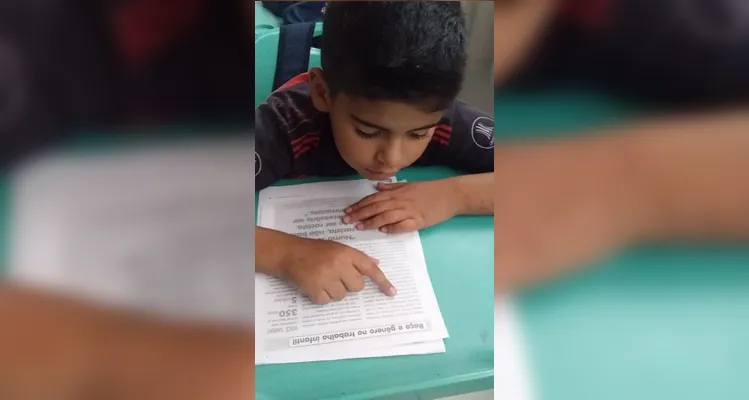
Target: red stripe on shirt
[(305, 136), (441, 141), (444, 128), (442, 134), (142, 28), (310, 140), (304, 150), (594, 14), (301, 78)]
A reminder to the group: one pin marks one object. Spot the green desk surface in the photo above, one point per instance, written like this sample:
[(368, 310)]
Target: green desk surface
[(648, 324), (459, 255)]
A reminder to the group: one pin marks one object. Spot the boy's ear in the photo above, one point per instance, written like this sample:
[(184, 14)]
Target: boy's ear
[(319, 92)]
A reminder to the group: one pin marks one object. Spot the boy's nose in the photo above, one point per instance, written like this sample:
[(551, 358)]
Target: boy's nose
[(390, 156)]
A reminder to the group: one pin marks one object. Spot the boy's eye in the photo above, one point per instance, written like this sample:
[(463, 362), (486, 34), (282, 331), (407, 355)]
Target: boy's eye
[(366, 133), (418, 135)]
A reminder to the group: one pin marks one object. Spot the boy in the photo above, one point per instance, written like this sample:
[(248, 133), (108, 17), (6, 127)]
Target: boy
[(679, 177), (383, 100)]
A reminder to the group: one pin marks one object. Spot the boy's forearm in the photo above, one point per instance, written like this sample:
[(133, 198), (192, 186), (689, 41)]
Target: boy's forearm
[(475, 194), (693, 174), (271, 247), (52, 347), (153, 360), (46, 346)]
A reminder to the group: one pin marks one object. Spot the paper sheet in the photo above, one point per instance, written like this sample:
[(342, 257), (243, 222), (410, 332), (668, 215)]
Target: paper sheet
[(511, 373), (164, 230), (290, 328)]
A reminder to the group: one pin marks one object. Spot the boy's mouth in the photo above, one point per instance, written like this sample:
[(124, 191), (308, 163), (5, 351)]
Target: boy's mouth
[(378, 175)]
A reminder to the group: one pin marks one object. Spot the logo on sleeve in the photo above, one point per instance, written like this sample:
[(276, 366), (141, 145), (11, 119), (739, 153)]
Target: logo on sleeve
[(258, 164), (482, 132)]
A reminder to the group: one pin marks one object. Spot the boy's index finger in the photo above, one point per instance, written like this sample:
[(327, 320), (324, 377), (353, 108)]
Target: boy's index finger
[(367, 267), (390, 185)]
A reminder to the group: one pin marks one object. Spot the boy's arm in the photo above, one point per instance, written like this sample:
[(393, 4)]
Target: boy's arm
[(476, 194), (693, 173), (270, 249), (57, 348), (562, 204)]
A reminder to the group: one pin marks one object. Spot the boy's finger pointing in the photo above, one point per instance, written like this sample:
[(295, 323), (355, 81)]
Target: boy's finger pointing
[(367, 267)]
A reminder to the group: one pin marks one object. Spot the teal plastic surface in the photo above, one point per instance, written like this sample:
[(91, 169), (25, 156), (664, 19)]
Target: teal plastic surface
[(264, 19), (459, 255), (649, 324), (266, 51), (4, 217)]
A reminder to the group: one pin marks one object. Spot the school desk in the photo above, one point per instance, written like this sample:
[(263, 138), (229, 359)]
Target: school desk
[(656, 323), (459, 255)]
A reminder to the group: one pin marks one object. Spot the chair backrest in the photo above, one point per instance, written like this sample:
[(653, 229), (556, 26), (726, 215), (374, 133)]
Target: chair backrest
[(266, 57), (264, 19)]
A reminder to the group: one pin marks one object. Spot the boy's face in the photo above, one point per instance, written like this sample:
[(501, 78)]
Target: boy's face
[(376, 138)]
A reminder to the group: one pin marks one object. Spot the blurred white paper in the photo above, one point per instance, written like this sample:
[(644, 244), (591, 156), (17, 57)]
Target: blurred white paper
[(510, 367), (290, 328), (432, 347), (168, 230)]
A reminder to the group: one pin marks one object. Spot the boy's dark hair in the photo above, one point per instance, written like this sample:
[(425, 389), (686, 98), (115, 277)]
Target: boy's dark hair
[(409, 51)]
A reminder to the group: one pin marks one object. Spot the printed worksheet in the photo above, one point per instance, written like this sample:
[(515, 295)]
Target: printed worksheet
[(166, 230), (290, 328)]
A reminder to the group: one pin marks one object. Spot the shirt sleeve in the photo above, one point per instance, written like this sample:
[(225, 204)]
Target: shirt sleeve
[(464, 140), (273, 156), (28, 118)]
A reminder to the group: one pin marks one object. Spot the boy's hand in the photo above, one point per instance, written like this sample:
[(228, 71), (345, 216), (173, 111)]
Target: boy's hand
[(325, 270), (405, 207)]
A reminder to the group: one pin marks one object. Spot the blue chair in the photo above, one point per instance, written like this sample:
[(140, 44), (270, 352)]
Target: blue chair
[(266, 60)]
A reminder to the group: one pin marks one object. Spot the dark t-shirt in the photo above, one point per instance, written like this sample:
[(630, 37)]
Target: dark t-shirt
[(293, 139), (675, 51)]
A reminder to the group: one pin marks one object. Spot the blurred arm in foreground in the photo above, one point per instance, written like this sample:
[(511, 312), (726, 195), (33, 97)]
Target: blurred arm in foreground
[(58, 349), (685, 177), (565, 203)]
